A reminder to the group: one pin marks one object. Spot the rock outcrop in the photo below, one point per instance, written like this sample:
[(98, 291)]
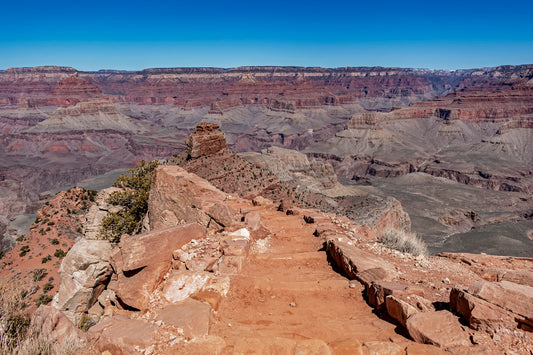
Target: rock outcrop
[(179, 197), (141, 262), (206, 140), (406, 289), (84, 274)]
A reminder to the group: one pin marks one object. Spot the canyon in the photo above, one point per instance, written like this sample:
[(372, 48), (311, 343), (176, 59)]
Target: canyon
[(453, 147), (232, 258), (213, 272)]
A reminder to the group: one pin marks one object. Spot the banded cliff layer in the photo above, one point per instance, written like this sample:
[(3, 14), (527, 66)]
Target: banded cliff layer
[(469, 127)]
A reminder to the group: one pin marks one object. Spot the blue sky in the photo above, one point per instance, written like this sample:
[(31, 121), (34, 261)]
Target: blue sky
[(134, 35)]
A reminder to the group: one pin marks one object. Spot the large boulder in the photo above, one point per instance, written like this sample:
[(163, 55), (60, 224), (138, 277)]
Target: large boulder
[(438, 328), (140, 262), (377, 291), (356, 263), (508, 295), (83, 275), (480, 314), (179, 197)]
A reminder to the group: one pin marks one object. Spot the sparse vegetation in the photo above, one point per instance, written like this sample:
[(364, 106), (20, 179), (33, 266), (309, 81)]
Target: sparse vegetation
[(39, 274), (92, 194), (403, 241), (24, 250), (86, 322), (134, 200), (13, 319), (43, 299), (60, 253), (55, 241), (46, 259), (48, 286)]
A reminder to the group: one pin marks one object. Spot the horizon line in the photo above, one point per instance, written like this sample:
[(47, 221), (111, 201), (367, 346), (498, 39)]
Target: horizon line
[(70, 68)]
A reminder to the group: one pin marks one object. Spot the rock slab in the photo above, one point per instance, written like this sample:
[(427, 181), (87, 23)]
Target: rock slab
[(140, 262)]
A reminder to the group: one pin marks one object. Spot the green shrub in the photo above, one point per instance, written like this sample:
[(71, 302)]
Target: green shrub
[(55, 241), (48, 286), (403, 241), (43, 299), (20, 238), (39, 274), (50, 223), (60, 253), (134, 200), (92, 194), (24, 250), (86, 322), (46, 259)]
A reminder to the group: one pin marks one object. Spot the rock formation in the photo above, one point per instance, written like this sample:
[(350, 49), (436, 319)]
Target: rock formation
[(84, 274), (266, 277), (206, 140), (216, 272)]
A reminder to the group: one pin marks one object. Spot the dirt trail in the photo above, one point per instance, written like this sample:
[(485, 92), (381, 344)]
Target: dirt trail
[(290, 291)]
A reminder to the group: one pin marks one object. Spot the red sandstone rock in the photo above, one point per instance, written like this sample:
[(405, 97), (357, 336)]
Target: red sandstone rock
[(206, 140), (347, 347), (357, 263), (121, 336), (510, 296), (223, 214), (280, 346), (479, 314), (384, 348), (190, 315), (252, 220), (141, 261), (379, 290), (438, 328), (184, 196), (235, 246), (399, 310)]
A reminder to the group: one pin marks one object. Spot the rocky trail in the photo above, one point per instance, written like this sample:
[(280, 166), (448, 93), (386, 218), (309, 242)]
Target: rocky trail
[(288, 297)]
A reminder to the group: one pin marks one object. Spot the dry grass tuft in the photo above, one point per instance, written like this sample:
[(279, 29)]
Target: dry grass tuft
[(405, 242), (14, 320)]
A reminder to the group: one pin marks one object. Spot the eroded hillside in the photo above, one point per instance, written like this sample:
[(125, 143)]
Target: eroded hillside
[(372, 125)]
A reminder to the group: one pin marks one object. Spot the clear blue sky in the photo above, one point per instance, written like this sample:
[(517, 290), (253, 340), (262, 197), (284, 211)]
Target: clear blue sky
[(134, 35)]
